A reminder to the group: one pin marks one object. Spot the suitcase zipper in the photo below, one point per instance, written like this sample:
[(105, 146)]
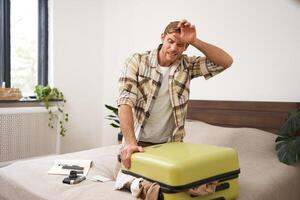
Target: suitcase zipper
[(173, 189)]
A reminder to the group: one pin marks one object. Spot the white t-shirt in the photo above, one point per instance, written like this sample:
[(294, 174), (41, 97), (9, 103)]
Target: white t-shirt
[(160, 125)]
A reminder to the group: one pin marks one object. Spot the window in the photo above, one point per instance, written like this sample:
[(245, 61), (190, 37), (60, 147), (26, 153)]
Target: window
[(24, 44)]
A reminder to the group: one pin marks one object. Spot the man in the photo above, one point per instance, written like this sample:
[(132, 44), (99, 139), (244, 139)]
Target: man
[(154, 87)]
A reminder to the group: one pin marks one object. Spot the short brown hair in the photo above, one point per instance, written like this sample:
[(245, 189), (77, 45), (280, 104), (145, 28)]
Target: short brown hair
[(172, 27)]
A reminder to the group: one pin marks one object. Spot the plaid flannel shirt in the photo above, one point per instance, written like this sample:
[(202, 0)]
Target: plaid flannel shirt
[(141, 79)]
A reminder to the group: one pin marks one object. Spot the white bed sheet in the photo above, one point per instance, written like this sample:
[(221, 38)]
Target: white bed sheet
[(29, 179), (262, 176)]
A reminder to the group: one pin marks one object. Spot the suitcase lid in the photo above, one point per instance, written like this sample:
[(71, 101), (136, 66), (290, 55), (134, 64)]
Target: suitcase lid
[(180, 164)]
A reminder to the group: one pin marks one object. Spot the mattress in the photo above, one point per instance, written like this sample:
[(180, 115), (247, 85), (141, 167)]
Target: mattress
[(29, 179), (262, 175)]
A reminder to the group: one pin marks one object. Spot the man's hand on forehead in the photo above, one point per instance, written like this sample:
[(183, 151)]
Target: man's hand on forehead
[(187, 32), (184, 23)]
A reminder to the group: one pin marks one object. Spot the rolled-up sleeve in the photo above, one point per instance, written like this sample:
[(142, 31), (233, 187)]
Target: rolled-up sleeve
[(201, 66), (128, 82)]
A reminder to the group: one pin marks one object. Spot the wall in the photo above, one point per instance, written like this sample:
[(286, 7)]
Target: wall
[(93, 38), (77, 65)]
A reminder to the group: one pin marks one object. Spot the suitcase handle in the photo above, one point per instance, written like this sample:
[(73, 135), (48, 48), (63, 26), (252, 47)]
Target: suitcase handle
[(222, 186)]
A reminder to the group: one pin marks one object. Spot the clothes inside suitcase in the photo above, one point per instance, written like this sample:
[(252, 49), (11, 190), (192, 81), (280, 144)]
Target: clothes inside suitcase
[(178, 167)]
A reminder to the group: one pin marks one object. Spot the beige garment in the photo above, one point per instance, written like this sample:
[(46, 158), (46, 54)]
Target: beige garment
[(204, 189), (148, 190)]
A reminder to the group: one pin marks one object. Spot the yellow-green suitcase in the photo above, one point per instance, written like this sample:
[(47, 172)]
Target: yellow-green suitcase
[(179, 166)]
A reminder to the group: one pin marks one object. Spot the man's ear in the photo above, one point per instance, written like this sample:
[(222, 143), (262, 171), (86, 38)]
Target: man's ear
[(162, 37)]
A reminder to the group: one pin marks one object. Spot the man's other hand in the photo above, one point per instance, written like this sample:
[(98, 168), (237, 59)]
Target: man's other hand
[(126, 153), (187, 32)]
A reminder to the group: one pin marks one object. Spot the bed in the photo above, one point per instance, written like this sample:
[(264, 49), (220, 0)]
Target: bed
[(262, 176)]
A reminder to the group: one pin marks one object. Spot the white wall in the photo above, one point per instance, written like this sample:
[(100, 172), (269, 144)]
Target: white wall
[(78, 51), (97, 36)]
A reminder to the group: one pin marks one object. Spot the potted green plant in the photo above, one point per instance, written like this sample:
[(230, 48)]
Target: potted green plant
[(288, 141), (53, 98), (114, 118)]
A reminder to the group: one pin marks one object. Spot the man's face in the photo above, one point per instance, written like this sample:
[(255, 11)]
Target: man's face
[(172, 48)]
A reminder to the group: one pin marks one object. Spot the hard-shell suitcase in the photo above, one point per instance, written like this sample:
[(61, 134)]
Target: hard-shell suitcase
[(179, 166)]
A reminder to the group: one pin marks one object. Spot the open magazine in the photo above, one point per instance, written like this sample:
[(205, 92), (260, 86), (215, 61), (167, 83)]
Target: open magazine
[(64, 166)]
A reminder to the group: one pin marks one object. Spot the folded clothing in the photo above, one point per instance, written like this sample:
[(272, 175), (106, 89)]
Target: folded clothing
[(139, 188), (204, 189), (123, 181), (143, 189), (147, 190)]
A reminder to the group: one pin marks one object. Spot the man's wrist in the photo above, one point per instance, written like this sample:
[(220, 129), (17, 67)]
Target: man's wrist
[(198, 44), (131, 141), (193, 43), (132, 144)]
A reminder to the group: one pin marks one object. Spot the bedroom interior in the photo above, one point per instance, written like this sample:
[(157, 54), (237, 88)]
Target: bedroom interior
[(243, 108), (255, 147)]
